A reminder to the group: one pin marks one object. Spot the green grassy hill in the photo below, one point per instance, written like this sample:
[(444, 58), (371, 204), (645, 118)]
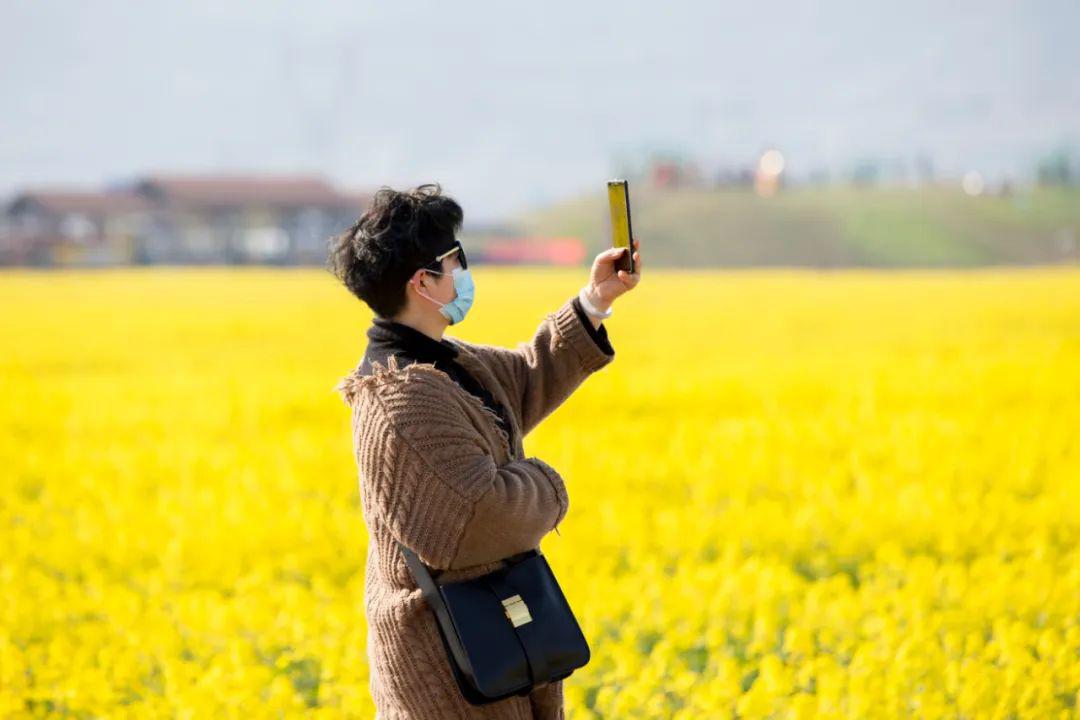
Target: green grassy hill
[(832, 226)]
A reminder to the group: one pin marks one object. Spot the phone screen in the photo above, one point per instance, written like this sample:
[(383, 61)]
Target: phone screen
[(621, 234)]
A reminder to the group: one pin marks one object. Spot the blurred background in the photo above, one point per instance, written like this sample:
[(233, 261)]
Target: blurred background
[(811, 134), (849, 376)]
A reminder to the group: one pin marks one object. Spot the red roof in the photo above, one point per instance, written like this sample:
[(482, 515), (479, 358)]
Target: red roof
[(232, 189), (80, 201)]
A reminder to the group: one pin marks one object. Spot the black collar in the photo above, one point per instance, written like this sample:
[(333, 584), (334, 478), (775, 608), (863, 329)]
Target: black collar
[(388, 337)]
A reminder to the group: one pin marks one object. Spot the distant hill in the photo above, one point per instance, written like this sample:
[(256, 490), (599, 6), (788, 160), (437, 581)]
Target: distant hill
[(826, 227)]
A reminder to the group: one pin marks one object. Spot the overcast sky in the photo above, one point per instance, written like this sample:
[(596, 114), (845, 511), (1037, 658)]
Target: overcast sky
[(510, 104)]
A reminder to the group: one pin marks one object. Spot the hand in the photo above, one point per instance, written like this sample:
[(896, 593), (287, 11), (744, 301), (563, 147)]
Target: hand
[(605, 284)]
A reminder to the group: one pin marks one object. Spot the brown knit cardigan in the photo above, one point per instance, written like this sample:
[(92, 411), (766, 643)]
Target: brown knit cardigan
[(438, 473)]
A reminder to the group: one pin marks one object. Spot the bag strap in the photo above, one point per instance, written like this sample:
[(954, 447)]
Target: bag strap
[(538, 665), (431, 593)]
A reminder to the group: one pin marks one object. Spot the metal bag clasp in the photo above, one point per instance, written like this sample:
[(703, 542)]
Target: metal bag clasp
[(517, 610)]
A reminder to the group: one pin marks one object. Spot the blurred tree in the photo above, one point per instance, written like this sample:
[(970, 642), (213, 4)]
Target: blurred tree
[(1056, 169)]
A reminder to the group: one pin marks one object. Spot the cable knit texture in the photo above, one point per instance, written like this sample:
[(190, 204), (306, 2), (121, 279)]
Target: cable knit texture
[(438, 473)]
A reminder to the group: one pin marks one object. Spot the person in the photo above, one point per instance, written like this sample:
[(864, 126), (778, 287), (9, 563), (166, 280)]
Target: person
[(437, 427)]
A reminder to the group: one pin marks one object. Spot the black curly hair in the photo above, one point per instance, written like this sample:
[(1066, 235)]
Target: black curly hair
[(401, 232)]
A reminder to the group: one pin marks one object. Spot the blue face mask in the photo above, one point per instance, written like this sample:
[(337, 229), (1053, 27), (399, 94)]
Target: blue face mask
[(456, 309)]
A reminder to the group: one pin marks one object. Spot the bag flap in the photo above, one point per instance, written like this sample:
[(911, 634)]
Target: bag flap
[(499, 652)]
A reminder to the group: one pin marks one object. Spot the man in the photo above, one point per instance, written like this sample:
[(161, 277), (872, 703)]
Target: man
[(438, 425)]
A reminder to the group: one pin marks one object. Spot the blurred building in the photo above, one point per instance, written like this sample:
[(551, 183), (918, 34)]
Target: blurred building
[(531, 251), (237, 219), (503, 243), (673, 171), (180, 219), (67, 227)]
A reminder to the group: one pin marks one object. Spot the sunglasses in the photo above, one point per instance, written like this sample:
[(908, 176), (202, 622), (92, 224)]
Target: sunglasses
[(456, 249)]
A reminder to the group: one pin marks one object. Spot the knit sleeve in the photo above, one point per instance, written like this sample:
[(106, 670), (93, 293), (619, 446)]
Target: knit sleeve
[(543, 372), (426, 474), (599, 333)]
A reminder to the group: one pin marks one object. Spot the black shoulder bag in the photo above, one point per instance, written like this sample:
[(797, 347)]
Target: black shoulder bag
[(505, 632)]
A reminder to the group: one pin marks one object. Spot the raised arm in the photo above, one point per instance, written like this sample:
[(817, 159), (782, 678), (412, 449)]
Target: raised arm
[(426, 474), (543, 372)]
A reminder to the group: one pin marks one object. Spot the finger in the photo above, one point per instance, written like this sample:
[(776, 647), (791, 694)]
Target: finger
[(610, 255)]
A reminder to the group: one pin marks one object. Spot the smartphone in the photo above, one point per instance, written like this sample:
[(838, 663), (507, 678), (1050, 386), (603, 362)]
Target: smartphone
[(621, 234)]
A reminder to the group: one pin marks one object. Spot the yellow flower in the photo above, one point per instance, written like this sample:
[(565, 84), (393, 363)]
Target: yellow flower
[(831, 496)]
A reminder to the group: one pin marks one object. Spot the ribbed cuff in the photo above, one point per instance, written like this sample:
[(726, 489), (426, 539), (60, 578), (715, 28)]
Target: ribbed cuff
[(572, 329), (598, 334), (558, 484)]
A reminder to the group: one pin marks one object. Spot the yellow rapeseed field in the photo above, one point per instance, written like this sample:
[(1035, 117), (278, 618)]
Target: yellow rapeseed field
[(793, 494)]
